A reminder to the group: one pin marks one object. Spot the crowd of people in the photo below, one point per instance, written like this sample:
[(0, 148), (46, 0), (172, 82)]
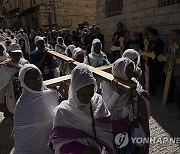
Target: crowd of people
[(96, 116)]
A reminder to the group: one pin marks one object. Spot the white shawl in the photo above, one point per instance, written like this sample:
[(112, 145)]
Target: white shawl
[(6, 82), (78, 114), (33, 117), (117, 104), (133, 54), (97, 60)]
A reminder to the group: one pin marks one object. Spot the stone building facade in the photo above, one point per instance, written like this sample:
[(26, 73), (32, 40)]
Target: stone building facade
[(136, 15), (47, 14)]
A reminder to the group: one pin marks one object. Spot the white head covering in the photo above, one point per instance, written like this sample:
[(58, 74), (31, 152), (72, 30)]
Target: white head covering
[(14, 46), (119, 67), (93, 43), (80, 77), (22, 73), (74, 114), (119, 108), (58, 39), (5, 54), (38, 38), (33, 116), (78, 51), (2, 38), (132, 54), (71, 48), (97, 60)]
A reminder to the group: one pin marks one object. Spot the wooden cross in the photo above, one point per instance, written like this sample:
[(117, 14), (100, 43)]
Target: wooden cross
[(146, 53), (120, 48), (127, 86), (170, 59)]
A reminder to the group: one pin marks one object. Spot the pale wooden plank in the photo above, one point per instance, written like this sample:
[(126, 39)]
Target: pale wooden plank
[(104, 75), (56, 81)]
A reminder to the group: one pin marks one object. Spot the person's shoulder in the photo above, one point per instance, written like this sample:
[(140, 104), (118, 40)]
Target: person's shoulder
[(61, 107), (104, 55), (35, 52), (24, 61)]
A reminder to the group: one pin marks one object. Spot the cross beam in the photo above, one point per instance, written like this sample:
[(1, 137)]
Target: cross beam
[(148, 54), (96, 71), (67, 78)]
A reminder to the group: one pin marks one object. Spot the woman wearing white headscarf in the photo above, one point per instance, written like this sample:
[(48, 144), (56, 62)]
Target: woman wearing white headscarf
[(33, 117), (82, 123), (79, 54), (69, 50), (60, 47), (9, 82), (135, 57), (120, 104), (3, 54), (97, 58), (65, 68)]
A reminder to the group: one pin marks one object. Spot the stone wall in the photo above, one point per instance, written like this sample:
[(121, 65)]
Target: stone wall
[(69, 13), (59, 13), (138, 14)]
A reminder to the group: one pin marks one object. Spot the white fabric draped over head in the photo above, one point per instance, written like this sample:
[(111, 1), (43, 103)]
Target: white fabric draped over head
[(119, 108), (22, 73), (133, 54), (119, 67), (33, 116), (96, 59), (78, 51), (58, 39), (80, 77), (71, 48), (5, 54), (93, 44), (74, 114)]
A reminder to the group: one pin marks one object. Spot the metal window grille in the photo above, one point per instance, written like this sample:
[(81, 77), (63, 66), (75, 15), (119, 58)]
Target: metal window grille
[(113, 7), (162, 3)]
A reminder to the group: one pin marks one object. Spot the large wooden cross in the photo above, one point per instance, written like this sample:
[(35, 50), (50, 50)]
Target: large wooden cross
[(146, 53), (127, 86), (170, 59)]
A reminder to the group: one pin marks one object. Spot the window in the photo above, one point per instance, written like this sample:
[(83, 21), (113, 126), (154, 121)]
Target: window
[(162, 3), (113, 7)]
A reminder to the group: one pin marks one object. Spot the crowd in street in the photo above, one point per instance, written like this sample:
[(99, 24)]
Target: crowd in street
[(88, 115)]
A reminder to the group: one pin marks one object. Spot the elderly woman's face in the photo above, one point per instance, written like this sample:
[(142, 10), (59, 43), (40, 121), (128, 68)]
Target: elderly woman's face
[(97, 47), (130, 71), (85, 94), (33, 80)]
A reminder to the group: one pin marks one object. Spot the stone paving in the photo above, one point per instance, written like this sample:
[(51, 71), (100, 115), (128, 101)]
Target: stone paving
[(164, 122)]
